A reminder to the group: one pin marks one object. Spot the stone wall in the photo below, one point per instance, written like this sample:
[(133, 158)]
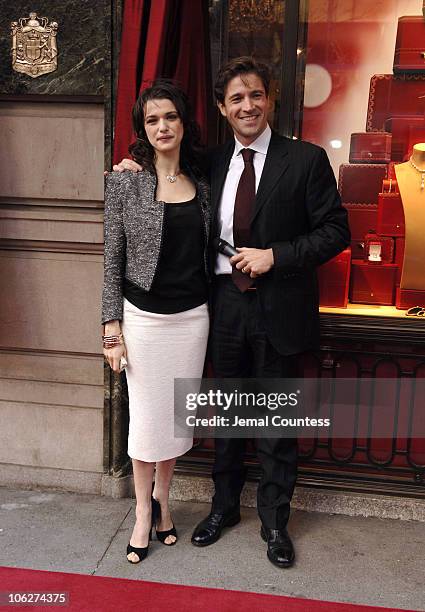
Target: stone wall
[(54, 131)]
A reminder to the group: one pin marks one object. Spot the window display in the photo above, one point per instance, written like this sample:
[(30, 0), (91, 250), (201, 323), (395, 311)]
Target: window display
[(361, 183), (373, 147), (378, 248), (381, 170), (411, 183), (339, 80), (372, 284), (334, 279), (390, 219), (409, 53), (362, 218)]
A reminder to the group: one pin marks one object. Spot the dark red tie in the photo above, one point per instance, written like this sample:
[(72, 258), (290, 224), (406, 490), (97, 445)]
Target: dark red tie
[(244, 205)]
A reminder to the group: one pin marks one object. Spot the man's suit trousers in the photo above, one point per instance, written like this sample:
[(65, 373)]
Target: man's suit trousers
[(240, 348)]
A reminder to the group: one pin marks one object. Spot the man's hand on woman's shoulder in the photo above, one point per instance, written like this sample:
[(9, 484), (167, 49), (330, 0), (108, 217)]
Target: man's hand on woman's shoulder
[(125, 164)]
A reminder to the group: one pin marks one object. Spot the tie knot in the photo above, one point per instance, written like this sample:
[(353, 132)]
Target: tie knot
[(248, 155)]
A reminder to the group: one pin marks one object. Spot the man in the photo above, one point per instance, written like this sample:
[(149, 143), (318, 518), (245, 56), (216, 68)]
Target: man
[(276, 200)]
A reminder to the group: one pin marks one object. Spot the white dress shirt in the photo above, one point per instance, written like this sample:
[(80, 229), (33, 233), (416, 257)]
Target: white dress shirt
[(227, 201)]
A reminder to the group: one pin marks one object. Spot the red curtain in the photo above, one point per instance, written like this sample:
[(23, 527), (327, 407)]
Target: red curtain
[(193, 65), (127, 76), (167, 38), (156, 37)]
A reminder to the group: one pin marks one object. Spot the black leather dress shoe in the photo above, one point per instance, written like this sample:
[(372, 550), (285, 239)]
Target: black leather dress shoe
[(280, 550), (209, 530)]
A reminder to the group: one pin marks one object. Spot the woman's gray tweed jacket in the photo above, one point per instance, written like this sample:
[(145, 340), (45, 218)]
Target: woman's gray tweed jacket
[(133, 234)]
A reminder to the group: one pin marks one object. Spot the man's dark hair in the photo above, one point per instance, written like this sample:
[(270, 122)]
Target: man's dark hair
[(142, 151), (240, 66)]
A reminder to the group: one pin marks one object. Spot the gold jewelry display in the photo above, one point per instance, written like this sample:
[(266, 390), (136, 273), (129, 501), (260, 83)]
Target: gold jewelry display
[(421, 170), (412, 198), (172, 178)]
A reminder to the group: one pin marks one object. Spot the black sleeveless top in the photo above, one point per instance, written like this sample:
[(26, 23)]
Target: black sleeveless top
[(180, 282)]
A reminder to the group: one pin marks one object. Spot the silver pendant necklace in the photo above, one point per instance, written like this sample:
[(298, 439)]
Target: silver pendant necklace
[(420, 170), (172, 178)]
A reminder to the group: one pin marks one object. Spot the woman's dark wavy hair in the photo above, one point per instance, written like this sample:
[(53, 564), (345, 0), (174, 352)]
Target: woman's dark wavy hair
[(190, 150)]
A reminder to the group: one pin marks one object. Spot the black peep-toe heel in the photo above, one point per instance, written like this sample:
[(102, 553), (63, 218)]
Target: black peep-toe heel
[(163, 535), (142, 553)]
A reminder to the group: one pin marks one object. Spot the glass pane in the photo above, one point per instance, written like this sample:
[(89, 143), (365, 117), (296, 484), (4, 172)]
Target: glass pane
[(364, 102), (349, 41), (249, 27)]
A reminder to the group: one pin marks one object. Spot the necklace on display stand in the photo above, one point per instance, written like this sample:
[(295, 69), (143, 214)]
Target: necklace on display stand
[(420, 170)]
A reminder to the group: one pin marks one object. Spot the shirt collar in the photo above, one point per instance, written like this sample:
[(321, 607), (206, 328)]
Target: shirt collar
[(260, 144)]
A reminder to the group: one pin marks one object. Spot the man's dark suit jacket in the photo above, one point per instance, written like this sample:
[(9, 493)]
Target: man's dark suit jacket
[(298, 213)]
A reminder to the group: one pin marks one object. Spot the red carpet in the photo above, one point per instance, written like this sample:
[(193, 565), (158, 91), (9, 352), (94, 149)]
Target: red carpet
[(95, 593)]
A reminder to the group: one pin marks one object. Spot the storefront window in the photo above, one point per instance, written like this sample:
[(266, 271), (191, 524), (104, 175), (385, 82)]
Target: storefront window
[(348, 43), (349, 75), (364, 102)]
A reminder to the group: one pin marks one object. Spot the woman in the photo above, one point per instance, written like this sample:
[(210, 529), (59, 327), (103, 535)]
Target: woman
[(155, 292)]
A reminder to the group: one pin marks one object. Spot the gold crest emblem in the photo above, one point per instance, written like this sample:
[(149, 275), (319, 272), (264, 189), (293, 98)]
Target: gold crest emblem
[(34, 50)]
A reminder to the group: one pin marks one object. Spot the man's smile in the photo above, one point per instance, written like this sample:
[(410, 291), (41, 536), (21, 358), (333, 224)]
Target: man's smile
[(249, 118)]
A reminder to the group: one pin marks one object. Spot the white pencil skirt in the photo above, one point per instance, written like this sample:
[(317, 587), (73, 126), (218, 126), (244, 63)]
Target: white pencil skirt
[(160, 347)]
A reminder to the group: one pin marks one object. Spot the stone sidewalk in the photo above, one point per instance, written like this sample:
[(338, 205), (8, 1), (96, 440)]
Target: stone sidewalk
[(353, 559)]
